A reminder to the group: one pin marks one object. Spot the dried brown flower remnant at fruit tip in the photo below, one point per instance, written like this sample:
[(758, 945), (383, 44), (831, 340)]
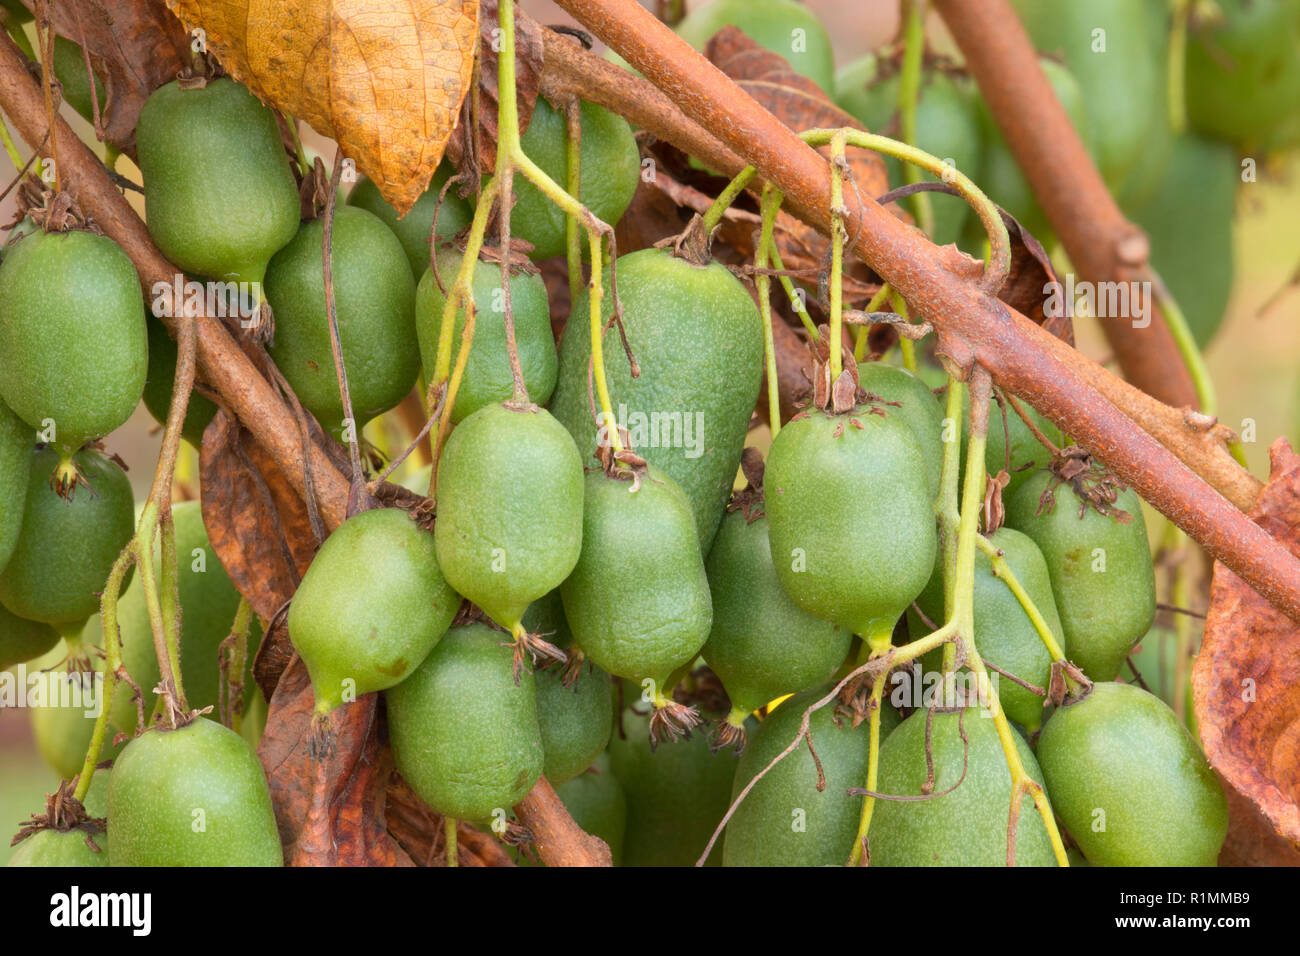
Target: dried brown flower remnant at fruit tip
[(749, 499), (1092, 483), (64, 813), (728, 735), (671, 722)]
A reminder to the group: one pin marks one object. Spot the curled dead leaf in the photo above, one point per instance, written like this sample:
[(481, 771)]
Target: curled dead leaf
[(135, 47), (1246, 680), (330, 810), (385, 80), (258, 526), (481, 153)]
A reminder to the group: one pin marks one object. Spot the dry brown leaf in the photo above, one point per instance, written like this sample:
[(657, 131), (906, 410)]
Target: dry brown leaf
[(1252, 841), (258, 526), (135, 46), (801, 105), (330, 811), (528, 77), (420, 832), (384, 79), (1246, 681)]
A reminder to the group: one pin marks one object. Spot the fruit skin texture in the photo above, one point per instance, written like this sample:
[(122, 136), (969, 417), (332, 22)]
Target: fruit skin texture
[(638, 600), (770, 24), (1103, 613), (947, 126), (1189, 223), (22, 640), (1004, 635), (464, 735), (68, 848), (762, 831), (16, 442), (371, 606), (164, 776), (62, 733), (72, 333), (611, 169), (598, 804), (699, 341), (220, 200), (510, 522), (916, 405), (487, 376), (967, 827), (762, 644), (70, 70), (208, 601), (1243, 76), (675, 795), (575, 721), (374, 297), (67, 548), (1026, 450), (412, 230), (1122, 751), (1124, 88), (1003, 181), (160, 381), (851, 523)]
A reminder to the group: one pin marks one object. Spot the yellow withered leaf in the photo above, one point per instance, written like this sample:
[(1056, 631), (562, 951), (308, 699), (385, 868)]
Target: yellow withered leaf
[(384, 79)]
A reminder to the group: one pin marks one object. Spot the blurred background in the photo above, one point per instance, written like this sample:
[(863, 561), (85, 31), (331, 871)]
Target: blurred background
[(1254, 360)]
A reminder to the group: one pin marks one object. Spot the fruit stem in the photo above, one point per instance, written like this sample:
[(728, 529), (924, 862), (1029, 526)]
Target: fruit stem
[(963, 617), (999, 263), (946, 508), (300, 154), (1181, 595), (112, 661), (864, 331), (453, 853), (909, 91), (771, 203), (713, 215), (10, 146), (1190, 352), (573, 184), (1002, 571), (510, 155), (905, 345), (839, 166), (165, 645), (1180, 14), (459, 295), (232, 684), (332, 317), (507, 148), (873, 770)]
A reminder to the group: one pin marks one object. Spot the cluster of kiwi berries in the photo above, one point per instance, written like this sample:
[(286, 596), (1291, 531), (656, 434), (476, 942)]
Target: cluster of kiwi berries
[(574, 612)]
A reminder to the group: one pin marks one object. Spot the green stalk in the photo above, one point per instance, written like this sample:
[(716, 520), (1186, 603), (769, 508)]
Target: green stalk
[(909, 92)]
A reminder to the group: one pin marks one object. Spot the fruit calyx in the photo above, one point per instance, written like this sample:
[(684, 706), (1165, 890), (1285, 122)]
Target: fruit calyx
[(1091, 481), (693, 244), (64, 813), (623, 464), (51, 211), (1063, 694), (749, 500), (843, 394)]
